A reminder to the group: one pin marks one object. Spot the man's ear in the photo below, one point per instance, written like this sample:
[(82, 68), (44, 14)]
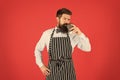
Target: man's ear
[(57, 18)]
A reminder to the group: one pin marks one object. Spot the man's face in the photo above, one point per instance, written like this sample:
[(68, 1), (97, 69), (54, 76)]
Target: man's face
[(63, 21), (65, 18)]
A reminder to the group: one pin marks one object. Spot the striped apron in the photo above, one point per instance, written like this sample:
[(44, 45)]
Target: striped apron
[(60, 59)]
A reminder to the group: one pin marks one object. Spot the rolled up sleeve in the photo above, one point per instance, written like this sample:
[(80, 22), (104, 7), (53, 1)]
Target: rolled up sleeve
[(82, 42)]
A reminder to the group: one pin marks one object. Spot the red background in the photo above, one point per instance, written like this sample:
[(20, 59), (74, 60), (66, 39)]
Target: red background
[(22, 23)]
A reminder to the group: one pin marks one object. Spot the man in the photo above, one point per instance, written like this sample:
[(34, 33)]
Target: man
[(60, 42)]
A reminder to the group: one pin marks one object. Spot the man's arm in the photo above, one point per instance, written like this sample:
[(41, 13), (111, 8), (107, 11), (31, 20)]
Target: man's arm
[(38, 51), (80, 39), (83, 43)]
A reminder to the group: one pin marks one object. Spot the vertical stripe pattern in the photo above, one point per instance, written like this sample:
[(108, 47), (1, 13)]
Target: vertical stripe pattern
[(60, 63)]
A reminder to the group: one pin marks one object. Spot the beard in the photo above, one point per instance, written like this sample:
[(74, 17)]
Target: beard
[(63, 27)]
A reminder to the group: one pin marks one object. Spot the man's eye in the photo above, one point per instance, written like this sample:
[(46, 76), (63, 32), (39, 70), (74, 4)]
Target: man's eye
[(64, 18)]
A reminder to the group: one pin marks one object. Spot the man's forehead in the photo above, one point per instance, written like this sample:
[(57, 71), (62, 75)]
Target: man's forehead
[(66, 16)]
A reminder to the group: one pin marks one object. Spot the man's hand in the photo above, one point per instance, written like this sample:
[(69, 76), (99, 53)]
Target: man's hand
[(75, 29), (45, 70)]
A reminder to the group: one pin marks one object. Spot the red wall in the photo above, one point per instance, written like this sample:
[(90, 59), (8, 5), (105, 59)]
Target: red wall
[(22, 23)]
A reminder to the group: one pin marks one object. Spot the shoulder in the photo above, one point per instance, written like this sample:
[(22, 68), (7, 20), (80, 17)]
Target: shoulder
[(48, 31)]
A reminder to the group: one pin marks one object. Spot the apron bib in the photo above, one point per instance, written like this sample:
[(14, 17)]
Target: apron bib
[(60, 59)]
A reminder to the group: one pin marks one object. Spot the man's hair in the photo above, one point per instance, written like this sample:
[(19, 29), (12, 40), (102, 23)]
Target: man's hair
[(62, 11)]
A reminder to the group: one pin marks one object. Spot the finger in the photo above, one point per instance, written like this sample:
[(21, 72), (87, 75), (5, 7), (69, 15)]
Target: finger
[(47, 73), (73, 25), (75, 31), (71, 29), (48, 70)]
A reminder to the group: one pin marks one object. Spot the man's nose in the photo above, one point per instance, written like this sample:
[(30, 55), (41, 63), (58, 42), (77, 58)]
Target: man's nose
[(66, 21)]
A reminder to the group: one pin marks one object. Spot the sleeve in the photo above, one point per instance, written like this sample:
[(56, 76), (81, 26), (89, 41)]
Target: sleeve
[(82, 42), (38, 50)]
